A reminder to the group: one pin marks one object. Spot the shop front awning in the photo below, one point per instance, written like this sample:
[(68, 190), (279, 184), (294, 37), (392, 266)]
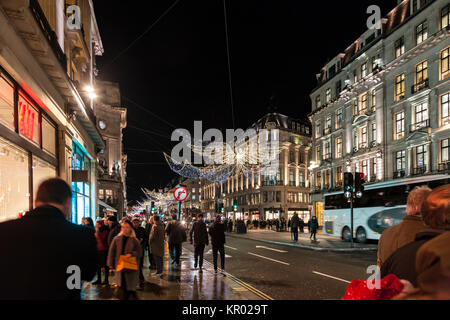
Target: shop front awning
[(107, 207)]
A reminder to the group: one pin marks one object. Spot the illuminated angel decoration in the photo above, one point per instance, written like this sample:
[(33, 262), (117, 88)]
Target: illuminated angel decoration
[(161, 199), (257, 155)]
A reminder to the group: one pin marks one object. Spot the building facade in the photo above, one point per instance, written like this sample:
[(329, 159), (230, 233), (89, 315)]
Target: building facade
[(268, 196), (47, 109), (381, 107), (111, 120)]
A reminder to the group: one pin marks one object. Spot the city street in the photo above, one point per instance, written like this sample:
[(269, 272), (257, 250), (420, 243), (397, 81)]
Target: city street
[(286, 273)]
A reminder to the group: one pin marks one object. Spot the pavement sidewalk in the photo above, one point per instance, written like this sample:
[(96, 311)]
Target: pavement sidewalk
[(183, 283), (323, 243)]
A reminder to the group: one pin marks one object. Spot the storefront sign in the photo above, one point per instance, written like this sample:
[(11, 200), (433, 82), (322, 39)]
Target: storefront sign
[(28, 118), (80, 176)]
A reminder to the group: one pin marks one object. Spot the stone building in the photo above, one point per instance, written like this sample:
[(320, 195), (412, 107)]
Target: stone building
[(48, 126), (382, 106), (269, 196), (111, 120)]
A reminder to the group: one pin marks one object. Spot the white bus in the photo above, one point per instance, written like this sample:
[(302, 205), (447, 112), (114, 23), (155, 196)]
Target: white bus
[(382, 205)]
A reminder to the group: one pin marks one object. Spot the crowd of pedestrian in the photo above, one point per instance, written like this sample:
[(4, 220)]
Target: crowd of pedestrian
[(417, 250)]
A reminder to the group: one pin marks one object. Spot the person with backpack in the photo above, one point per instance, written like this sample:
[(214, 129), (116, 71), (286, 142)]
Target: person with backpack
[(200, 240), (177, 235)]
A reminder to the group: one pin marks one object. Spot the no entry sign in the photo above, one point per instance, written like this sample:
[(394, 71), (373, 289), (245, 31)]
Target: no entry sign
[(180, 194)]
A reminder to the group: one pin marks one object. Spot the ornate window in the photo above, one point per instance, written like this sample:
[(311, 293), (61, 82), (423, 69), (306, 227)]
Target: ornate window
[(400, 87), (421, 32)]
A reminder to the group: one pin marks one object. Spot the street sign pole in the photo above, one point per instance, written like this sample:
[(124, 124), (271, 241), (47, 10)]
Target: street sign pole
[(179, 209)]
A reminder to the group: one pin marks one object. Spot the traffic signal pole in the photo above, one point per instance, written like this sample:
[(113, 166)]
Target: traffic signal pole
[(351, 219)]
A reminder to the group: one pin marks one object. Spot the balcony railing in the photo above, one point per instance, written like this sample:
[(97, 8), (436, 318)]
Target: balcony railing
[(419, 125), (272, 183), (444, 167), (419, 170), (41, 19), (420, 86), (399, 174), (362, 145)]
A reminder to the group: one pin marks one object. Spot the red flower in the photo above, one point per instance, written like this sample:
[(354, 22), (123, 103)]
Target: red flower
[(390, 286)]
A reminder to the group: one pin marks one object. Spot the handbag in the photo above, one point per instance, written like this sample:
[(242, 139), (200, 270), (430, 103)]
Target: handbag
[(127, 264)]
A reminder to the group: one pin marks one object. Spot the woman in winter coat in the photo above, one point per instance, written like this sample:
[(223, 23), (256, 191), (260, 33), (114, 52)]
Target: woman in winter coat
[(157, 236), (125, 243), (101, 234)]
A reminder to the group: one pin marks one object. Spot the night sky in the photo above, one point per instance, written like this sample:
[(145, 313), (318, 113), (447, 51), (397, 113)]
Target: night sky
[(177, 72)]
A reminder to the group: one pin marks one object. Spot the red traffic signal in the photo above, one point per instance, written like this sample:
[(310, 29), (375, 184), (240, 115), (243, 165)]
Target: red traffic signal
[(359, 181)]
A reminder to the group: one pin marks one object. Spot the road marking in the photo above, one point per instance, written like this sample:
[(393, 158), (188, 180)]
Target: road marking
[(328, 276), (257, 255), (230, 247), (242, 283), (268, 248)]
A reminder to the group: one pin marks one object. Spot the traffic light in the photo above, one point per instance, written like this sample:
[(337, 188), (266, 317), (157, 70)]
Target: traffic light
[(222, 208), (235, 205), (359, 181), (348, 181), (153, 207)]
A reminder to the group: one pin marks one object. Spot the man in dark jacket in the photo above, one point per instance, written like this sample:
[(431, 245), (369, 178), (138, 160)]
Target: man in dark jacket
[(301, 225), (148, 230), (294, 226), (200, 240), (45, 257), (217, 233), (435, 214), (114, 229), (313, 226), (142, 237), (176, 234)]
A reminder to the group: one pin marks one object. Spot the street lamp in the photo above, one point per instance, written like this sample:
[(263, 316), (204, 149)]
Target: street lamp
[(90, 92)]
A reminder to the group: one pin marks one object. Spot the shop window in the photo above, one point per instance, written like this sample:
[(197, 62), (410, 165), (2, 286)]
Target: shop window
[(42, 170), (48, 136), (81, 205), (6, 104), (14, 177)]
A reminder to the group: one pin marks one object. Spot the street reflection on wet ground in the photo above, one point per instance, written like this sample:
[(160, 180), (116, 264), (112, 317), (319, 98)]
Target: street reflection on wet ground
[(182, 283)]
